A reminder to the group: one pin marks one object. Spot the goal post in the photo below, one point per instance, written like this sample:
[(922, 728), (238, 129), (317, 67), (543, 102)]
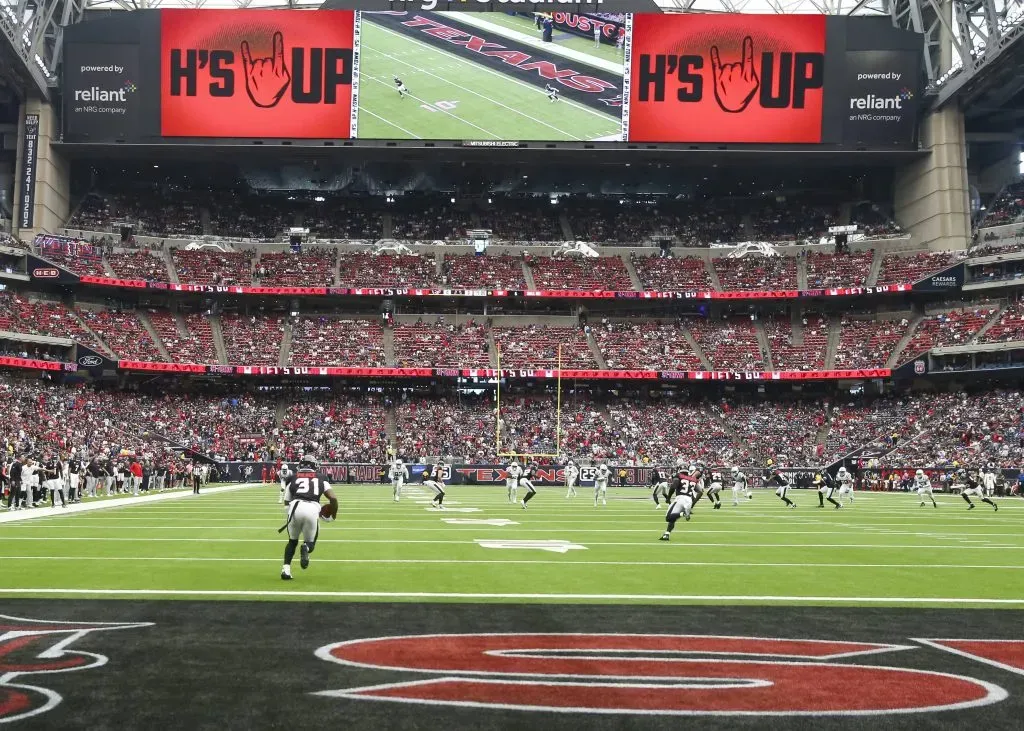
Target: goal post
[(558, 415)]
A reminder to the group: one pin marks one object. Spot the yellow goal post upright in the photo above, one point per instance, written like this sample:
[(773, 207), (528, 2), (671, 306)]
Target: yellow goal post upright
[(558, 415)]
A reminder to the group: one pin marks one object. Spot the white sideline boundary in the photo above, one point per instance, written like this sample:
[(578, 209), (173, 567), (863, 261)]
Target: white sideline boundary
[(16, 516), (959, 601)]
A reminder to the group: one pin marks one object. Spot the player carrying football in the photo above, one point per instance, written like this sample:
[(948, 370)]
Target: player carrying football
[(685, 492), (526, 480), (740, 484), (923, 485), (973, 487), (302, 501), (402, 91)]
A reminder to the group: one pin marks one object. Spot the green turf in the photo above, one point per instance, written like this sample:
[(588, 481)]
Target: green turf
[(452, 98), (884, 547), (577, 43)]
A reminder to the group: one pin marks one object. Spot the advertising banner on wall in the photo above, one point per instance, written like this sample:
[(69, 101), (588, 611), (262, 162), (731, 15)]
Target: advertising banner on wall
[(256, 73), (29, 162), (726, 78), (102, 90), (882, 89)]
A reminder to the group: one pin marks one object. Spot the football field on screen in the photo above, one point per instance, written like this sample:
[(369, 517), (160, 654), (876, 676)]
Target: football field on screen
[(882, 550), (452, 97)]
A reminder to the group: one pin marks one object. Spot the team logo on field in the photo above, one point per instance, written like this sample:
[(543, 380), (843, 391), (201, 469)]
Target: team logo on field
[(30, 647), (651, 674)]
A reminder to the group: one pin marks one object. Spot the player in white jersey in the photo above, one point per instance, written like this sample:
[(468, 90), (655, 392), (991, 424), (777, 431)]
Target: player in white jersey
[(715, 488), (284, 474), (740, 485), (512, 474), (845, 480), (572, 474), (398, 474), (601, 476), (923, 485), (988, 480)]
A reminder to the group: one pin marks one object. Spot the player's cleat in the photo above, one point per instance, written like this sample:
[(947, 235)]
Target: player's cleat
[(840, 505), (665, 537), (718, 506), (922, 505), (792, 505), (994, 506), (286, 575), (304, 556), (970, 507), (524, 505)]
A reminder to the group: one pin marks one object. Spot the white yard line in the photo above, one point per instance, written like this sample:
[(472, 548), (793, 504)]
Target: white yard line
[(715, 564), (17, 516), (424, 101), (959, 601), (388, 121), (550, 48)]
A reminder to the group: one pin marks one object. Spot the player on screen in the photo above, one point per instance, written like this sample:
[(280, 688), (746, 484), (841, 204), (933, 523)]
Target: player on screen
[(552, 92), (402, 91)]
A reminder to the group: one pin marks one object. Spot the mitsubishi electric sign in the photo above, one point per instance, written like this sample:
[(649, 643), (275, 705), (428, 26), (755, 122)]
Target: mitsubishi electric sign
[(882, 97)]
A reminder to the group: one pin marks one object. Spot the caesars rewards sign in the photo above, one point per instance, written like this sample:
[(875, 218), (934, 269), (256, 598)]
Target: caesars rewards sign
[(727, 78), (256, 73)]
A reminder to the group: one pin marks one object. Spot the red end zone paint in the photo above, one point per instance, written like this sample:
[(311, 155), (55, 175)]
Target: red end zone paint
[(1005, 654), (652, 674)]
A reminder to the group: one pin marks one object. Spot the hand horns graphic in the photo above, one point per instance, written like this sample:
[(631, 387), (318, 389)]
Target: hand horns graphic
[(735, 83), (266, 79)]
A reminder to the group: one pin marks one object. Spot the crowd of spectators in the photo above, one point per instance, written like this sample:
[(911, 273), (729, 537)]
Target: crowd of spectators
[(252, 340), (330, 341), (1008, 207), (387, 270), (190, 343), (483, 271), (953, 327), (584, 273), (430, 224), (645, 346), (756, 272), (536, 346), (783, 431), (150, 210), (904, 269), (1009, 327), (313, 267), (729, 344), (41, 317), (868, 343), (667, 273), (441, 345), (617, 224), (334, 428), (139, 265), (791, 221), (838, 270), (786, 354), (337, 218), (210, 266), (523, 224), (122, 331)]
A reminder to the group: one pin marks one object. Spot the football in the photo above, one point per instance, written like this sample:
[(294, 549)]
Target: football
[(328, 512)]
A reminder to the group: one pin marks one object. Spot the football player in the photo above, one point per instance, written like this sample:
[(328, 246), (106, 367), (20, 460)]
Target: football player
[(740, 485), (714, 488), (402, 91), (826, 489), (526, 480), (433, 477), (923, 485), (972, 486), (601, 476), (572, 474), (684, 492), (988, 480), (398, 474), (552, 92), (285, 473), (659, 485), (774, 476), (302, 501), (845, 480), (512, 474)]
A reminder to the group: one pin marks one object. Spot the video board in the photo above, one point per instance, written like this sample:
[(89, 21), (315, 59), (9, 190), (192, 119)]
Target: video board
[(491, 78)]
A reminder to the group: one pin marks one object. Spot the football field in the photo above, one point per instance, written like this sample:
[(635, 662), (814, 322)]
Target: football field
[(489, 616), (882, 550), (455, 97)]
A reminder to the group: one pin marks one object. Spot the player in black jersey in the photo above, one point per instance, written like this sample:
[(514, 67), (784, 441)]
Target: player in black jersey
[(526, 480), (659, 485), (826, 487), (75, 469), (402, 91), (552, 92), (302, 501), (433, 477), (973, 486), (685, 492), (715, 483), (774, 476)]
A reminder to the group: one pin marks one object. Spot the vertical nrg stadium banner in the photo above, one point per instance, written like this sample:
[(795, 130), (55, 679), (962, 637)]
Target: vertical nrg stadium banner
[(405, 72)]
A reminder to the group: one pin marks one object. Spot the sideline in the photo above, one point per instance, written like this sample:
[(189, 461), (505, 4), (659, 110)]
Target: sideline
[(13, 516)]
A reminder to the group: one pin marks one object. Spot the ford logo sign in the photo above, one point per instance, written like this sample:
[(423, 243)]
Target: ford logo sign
[(90, 361)]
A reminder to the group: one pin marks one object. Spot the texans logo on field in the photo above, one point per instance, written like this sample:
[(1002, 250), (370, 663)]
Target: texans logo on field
[(90, 361), (31, 647)]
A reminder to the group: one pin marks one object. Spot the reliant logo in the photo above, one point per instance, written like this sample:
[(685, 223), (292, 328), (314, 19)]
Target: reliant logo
[(431, 4), (96, 94)]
